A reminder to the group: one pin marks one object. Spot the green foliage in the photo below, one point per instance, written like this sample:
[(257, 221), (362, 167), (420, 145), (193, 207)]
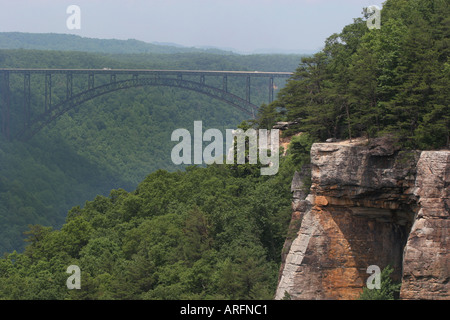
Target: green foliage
[(365, 82), (299, 149), (199, 234), (267, 116), (203, 233), (110, 142), (388, 289), (70, 42)]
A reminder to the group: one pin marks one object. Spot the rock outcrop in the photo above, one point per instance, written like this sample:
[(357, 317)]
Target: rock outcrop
[(426, 262), (369, 204)]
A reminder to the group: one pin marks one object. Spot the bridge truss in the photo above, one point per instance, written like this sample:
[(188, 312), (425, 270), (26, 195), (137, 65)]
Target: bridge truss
[(53, 106)]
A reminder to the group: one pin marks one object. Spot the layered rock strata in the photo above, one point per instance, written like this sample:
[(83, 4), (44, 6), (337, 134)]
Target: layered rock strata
[(426, 261), (366, 203)]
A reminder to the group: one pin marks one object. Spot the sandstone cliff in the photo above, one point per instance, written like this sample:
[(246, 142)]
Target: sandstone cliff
[(369, 204)]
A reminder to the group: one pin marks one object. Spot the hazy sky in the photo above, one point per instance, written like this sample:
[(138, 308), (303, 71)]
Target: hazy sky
[(243, 25)]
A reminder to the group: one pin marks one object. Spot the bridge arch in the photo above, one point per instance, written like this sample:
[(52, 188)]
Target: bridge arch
[(61, 108)]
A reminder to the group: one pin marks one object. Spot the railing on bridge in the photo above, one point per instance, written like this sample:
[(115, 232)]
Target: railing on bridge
[(117, 79)]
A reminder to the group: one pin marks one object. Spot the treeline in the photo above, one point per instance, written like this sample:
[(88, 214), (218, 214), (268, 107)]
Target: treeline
[(20, 58), (132, 54), (70, 42), (394, 80)]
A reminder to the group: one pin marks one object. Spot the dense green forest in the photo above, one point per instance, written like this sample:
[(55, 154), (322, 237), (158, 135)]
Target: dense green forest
[(367, 82), (206, 233), (113, 141), (212, 232)]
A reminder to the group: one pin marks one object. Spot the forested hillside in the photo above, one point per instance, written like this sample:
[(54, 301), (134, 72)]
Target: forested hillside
[(213, 232), (394, 80), (113, 141), (70, 42)]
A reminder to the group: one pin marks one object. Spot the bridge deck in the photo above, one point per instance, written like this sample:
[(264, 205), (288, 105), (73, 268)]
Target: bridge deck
[(152, 71)]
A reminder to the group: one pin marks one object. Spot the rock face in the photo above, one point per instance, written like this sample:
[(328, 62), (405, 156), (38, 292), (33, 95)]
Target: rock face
[(426, 263), (369, 204)]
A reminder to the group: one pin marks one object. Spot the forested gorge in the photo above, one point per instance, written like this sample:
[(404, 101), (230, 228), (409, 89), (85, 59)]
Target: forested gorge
[(200, 234), (214, 232), (113, 141)]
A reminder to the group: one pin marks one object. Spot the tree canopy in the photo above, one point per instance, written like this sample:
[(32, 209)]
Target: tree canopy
[(368, 82), (213, 232)]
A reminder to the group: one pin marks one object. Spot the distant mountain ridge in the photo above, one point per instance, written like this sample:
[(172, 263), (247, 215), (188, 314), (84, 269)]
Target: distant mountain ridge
[(70, 42)]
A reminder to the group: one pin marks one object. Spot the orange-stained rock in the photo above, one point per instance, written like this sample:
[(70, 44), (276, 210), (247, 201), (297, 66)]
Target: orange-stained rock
[(362, 204), (321, 201)]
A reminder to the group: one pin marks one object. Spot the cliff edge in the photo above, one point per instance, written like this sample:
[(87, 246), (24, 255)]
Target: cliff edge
[(369, 204)]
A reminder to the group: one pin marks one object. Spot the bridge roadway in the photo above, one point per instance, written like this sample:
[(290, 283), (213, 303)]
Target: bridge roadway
[(263, 74), (139, 77)]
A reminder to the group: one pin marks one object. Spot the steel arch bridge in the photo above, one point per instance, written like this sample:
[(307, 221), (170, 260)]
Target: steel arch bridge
[(130, 78)]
